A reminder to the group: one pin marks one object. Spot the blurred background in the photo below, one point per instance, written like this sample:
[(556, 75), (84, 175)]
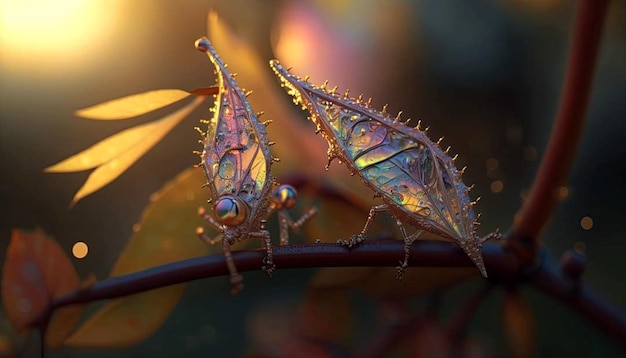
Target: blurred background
[(486, 75)]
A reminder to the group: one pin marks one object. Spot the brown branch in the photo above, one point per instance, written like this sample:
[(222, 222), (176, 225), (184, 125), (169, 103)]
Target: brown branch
[(503, 266), (568, 125)]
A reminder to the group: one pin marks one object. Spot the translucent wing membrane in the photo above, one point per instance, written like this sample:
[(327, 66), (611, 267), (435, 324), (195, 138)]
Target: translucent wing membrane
[(417, 180), (237, 160), (236, 155)]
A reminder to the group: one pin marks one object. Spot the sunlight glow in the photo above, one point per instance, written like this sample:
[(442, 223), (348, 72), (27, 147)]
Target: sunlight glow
[(52, 31)]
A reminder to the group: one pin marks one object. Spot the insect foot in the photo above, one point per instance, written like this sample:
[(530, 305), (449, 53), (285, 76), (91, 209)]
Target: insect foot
[(417, 180), (237, 162)]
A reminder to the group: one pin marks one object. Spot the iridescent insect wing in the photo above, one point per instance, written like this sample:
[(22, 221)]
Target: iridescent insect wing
[(399, 163), (236, 155)]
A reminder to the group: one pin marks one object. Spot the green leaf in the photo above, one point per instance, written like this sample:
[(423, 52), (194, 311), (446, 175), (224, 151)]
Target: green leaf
[(133, 105), (166, 234)]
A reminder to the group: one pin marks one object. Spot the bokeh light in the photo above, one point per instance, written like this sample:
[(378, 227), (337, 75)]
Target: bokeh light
[(80, 250), (586, 223), (497, 186)]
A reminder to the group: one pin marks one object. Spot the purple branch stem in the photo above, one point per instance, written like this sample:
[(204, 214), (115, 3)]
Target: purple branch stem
[(567, 129), (503, 265)]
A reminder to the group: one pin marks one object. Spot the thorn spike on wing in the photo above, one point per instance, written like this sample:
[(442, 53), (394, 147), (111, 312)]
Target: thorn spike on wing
[(419, 124), (271, 143), (289, 68), (306, 78), (417, 173), (439, 140), (346, 94), (369, 102), (456, 156), (324, 85), (448, 149), (260, 113), (200, 131), (268, 122), (248, 93), (398, 116), (469, 188), (407, 121), (333, 90)]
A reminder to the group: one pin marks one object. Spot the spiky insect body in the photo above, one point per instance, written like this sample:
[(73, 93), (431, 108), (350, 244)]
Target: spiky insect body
[(237, 162), (416, 179)]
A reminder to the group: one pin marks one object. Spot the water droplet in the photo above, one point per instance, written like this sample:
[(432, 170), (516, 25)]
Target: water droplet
[(246, 192), (227, 167)]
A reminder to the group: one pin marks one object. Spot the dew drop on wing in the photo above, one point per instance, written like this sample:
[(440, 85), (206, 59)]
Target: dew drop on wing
[(227, 166)]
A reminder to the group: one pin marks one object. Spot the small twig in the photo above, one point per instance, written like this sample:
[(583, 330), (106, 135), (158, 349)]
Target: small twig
[(503, 266), (582, 298), (568, 126), (369, 253)]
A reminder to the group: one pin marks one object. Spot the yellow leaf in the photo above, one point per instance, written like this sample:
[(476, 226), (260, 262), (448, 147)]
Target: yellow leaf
[(166, 234), (128, 146), (133, 105), (127, 321), (124, 141)]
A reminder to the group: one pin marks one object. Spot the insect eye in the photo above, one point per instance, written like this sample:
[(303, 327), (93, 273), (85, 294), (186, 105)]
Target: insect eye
[(230, 211), (284, 197)]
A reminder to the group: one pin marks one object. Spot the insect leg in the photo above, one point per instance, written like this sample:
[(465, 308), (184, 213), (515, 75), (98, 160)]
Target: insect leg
[(268, 261), (285, 222), (209, 219), (494, 235), (408, 242), (304, 218), (236, 280), (359, 238)]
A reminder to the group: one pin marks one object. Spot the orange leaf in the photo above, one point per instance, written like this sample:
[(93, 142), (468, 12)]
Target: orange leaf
[(519, 325), (133, 105), (166, 234), (324, 315), (35, 272)]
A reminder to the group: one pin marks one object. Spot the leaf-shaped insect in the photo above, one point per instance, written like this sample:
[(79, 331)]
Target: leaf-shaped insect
[(417, 181), (236, 159)]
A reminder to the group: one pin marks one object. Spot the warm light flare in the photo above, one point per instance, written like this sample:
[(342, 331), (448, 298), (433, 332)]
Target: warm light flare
[(80, 250), (52, 31)]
